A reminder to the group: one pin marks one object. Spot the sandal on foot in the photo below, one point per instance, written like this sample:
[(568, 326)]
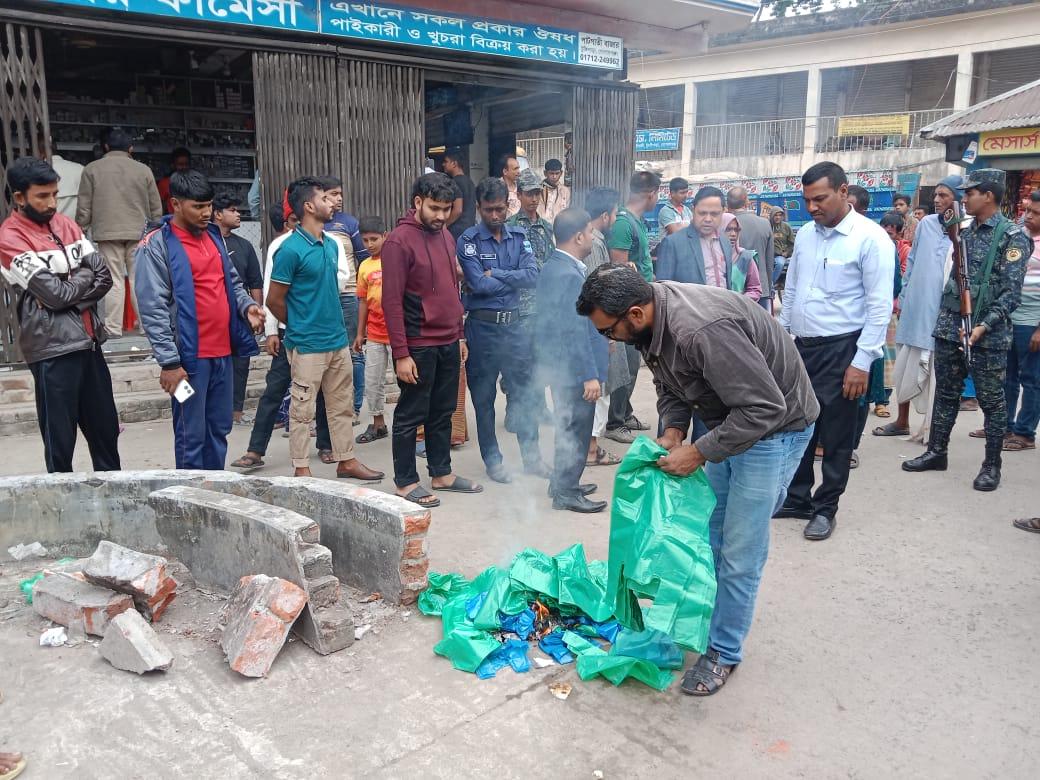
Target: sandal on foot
[(461, 485), (16, 770), (603, 458), (423, 498), (1016, 443), (881, 410), (1031, 524), (325, 456), (891, 429), (248, 463), (372, 433), (979, 434), (706, 672)]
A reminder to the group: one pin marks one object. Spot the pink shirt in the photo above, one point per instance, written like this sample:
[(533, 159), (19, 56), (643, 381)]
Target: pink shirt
[(714, 263)]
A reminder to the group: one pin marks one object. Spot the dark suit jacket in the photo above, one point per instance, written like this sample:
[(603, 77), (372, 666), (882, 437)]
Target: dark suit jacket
[(569, 351), (756, 233), (679, 258)]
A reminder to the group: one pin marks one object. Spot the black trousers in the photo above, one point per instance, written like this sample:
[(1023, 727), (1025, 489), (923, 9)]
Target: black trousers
[(621, 398), (430, 403), (241, 378), (826, 360), (75, 391), (574, 417)]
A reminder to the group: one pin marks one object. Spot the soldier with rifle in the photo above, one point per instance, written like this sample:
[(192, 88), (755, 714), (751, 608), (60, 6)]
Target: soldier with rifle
[(973, 330)]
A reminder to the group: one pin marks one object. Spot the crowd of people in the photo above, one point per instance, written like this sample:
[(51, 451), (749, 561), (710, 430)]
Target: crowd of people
[(505, 284)]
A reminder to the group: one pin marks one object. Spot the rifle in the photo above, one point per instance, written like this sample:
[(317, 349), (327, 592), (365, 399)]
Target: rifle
[(952, 220)]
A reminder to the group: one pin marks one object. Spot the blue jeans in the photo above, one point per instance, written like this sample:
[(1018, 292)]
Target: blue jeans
[(349, 303), (1023, 370), (202, 423), (749, 488)]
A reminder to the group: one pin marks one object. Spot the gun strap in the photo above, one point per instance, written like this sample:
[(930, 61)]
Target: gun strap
[(987, 270)]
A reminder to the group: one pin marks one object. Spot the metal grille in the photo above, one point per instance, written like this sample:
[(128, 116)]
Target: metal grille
[(296, 128), (542, 149), (23, 114), (381, 116), (604, 138), (749, 139), (828, 140)]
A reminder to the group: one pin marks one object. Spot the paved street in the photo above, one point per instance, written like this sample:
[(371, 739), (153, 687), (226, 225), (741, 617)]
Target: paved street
[(902, 647)]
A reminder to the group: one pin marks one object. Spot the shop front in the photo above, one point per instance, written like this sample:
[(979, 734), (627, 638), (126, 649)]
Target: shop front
[(276, 89)]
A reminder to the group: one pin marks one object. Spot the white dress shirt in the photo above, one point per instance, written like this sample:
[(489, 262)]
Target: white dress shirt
[(840, 281), (578, 264)]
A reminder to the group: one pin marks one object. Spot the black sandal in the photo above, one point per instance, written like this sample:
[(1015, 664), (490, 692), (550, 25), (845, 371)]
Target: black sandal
[(416, 497), (371, 434), (891, 429), (461, 485), (706, 672), (1031, 524)]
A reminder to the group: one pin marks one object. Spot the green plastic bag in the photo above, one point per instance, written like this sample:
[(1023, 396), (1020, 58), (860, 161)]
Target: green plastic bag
[(660, 549), (593, 661), (442, 588), (566, 580), (654, 646)]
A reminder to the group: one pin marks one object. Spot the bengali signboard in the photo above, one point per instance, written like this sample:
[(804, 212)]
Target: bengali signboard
[(878, 124), (999, 143), (662, 139), (390, 24)]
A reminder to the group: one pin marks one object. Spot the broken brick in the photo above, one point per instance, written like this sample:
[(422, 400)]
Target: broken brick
[(68, 600), (415, 547), (132, 645), (257, 620), (414, 571), (416, 523), (140, 575)]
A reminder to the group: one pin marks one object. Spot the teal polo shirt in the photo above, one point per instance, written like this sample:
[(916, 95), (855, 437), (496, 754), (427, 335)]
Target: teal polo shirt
[(314, 317)]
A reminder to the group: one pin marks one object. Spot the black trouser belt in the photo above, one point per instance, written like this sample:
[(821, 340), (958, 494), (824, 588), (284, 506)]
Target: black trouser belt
[(498, 317), (812, 341)]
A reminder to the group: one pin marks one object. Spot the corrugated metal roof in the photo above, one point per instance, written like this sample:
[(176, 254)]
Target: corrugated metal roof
[(1018, 108)]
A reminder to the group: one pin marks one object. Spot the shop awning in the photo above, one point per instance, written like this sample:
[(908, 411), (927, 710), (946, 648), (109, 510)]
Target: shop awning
[(1018, 108)]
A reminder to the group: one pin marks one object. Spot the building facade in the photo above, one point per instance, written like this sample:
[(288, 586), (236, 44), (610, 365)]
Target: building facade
[(854, 85)]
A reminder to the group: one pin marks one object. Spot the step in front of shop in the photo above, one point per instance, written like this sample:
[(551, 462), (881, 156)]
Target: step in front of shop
[(135, 387)]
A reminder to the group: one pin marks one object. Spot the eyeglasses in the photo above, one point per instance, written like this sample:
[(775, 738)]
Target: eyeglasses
[(609, 330)]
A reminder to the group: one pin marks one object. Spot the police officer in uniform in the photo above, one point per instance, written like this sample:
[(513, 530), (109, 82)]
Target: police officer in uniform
[(497, 263), (997, 253), (540, 236)]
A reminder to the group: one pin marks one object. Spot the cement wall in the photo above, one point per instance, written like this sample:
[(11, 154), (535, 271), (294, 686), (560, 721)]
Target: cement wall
[(378, 541)]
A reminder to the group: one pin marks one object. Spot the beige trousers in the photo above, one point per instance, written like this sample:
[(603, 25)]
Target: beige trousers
[(333, 374), (119, 257)]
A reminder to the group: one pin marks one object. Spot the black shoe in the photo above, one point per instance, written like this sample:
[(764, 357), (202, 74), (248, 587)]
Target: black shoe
[(929, 461), (500, 473), (989, 476), (538, 469), (792, 512), (587, 488), (578, 504), (819, 528)]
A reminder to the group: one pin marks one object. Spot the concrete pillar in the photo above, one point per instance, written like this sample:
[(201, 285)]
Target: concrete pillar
[(962, 89), (812, 116), (689, 122)]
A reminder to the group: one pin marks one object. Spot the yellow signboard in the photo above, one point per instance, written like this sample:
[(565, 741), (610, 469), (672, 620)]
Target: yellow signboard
[(1025, 140), (879, 124)]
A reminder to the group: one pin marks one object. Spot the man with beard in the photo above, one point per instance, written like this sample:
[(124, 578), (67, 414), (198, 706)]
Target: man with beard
[(498, 263), (423, 315), (726, 357), (197, 315), (61, 277)]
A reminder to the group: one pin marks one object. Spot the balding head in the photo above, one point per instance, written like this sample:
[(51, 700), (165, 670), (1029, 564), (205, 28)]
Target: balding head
[(736, 199)]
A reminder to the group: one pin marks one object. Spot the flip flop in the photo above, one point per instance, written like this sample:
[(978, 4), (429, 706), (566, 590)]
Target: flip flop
[(979, 434), (461, 485), (248, 464), (420, 493), (603, 458), (890, 430), (15, 771)]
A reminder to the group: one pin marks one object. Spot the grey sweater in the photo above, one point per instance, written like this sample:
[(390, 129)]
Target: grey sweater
[(721, 356)]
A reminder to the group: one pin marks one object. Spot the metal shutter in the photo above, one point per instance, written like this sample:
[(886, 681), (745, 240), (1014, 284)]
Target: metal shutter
[(604, 138)]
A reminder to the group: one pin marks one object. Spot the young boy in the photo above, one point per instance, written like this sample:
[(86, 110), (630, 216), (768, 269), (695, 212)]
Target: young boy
[(372, 335)]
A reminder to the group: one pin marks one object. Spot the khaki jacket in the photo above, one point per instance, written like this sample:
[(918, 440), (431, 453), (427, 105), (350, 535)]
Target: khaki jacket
[(117, 198)]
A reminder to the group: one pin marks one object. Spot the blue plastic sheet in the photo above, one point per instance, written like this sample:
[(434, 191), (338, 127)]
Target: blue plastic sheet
[(521, 624), (554, 647), (512, 653)]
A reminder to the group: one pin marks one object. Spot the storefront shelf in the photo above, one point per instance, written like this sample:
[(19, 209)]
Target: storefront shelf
[(150, 107)]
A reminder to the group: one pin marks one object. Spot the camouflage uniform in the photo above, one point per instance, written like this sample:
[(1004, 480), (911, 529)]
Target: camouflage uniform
[(989, 354), (540, 237)]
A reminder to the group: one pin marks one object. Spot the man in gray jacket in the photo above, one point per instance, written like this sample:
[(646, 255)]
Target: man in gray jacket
[(756, 234), (117, 199), (723, 356)]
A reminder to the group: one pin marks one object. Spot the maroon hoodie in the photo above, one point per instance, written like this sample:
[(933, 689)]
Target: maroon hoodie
[(421, 300)]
